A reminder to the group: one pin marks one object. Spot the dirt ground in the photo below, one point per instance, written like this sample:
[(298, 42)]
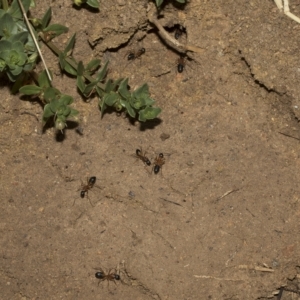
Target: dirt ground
[(221, 221)]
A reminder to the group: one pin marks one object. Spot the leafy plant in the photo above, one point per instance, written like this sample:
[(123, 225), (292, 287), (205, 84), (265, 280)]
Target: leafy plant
[(112, 93), (17, 50), (18, 56), (56, 103)]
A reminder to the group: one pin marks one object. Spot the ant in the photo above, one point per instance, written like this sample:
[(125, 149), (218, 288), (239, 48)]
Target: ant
[(180, 64), (179, 31), (142, 156), (86, 187), (109, 277), (132, 55), (158, 163)]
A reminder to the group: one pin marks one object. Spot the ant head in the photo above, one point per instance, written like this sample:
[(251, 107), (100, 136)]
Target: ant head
[(99, 275), (138, 151), (92, 180), (82, 194), (142, 50), (117, 277), (161, 155)]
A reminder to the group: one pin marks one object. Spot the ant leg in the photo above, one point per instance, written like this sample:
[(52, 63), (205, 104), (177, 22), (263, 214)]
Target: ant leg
[(115, 272), (149, 172), (87, 195)]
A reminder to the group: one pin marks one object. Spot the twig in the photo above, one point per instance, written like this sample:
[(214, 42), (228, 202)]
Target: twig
[(172, 42), (261, 269), (226, 194), (170, 201), (216, 278), (288, 135), (34, 39)]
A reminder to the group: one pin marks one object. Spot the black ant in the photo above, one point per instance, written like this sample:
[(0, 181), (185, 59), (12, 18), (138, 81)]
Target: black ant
[(180, 64), (132, 55), (109, 277), (86, 187), (158, 163), (142, 156), (179, 31)]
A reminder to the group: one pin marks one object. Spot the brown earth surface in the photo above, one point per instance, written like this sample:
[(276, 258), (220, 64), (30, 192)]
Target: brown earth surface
[(220, 221)]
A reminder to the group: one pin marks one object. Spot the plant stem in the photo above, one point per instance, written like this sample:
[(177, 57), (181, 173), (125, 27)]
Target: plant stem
[(34, 39), (5, 5)]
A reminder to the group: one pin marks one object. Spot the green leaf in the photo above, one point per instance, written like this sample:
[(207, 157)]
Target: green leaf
[(109, 86), (159, 2), (51, 94), (116, 83), (15, 11), (137, 103), (32, 3), (80, 84), (20, 80), (149, 101), (101, 74), (43, 79), (66, 100), (123, 89), (89, 88), (47, 113), (80, 69), (46, 18), (73, 113), (56, 29), (112, 85), (93, 3), (111, 98), (69, 69), (2, 64), (180, 1), (99, 91), (13, 77), (141, 91), (5, 45), (7, 26), (102, 106), (18, 46), (128, 108), (65, 111), (54, 105), (149, 113), (62, 61), (30, 90), (32, 58), (93, 65), (70, 45), (19, 37)]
